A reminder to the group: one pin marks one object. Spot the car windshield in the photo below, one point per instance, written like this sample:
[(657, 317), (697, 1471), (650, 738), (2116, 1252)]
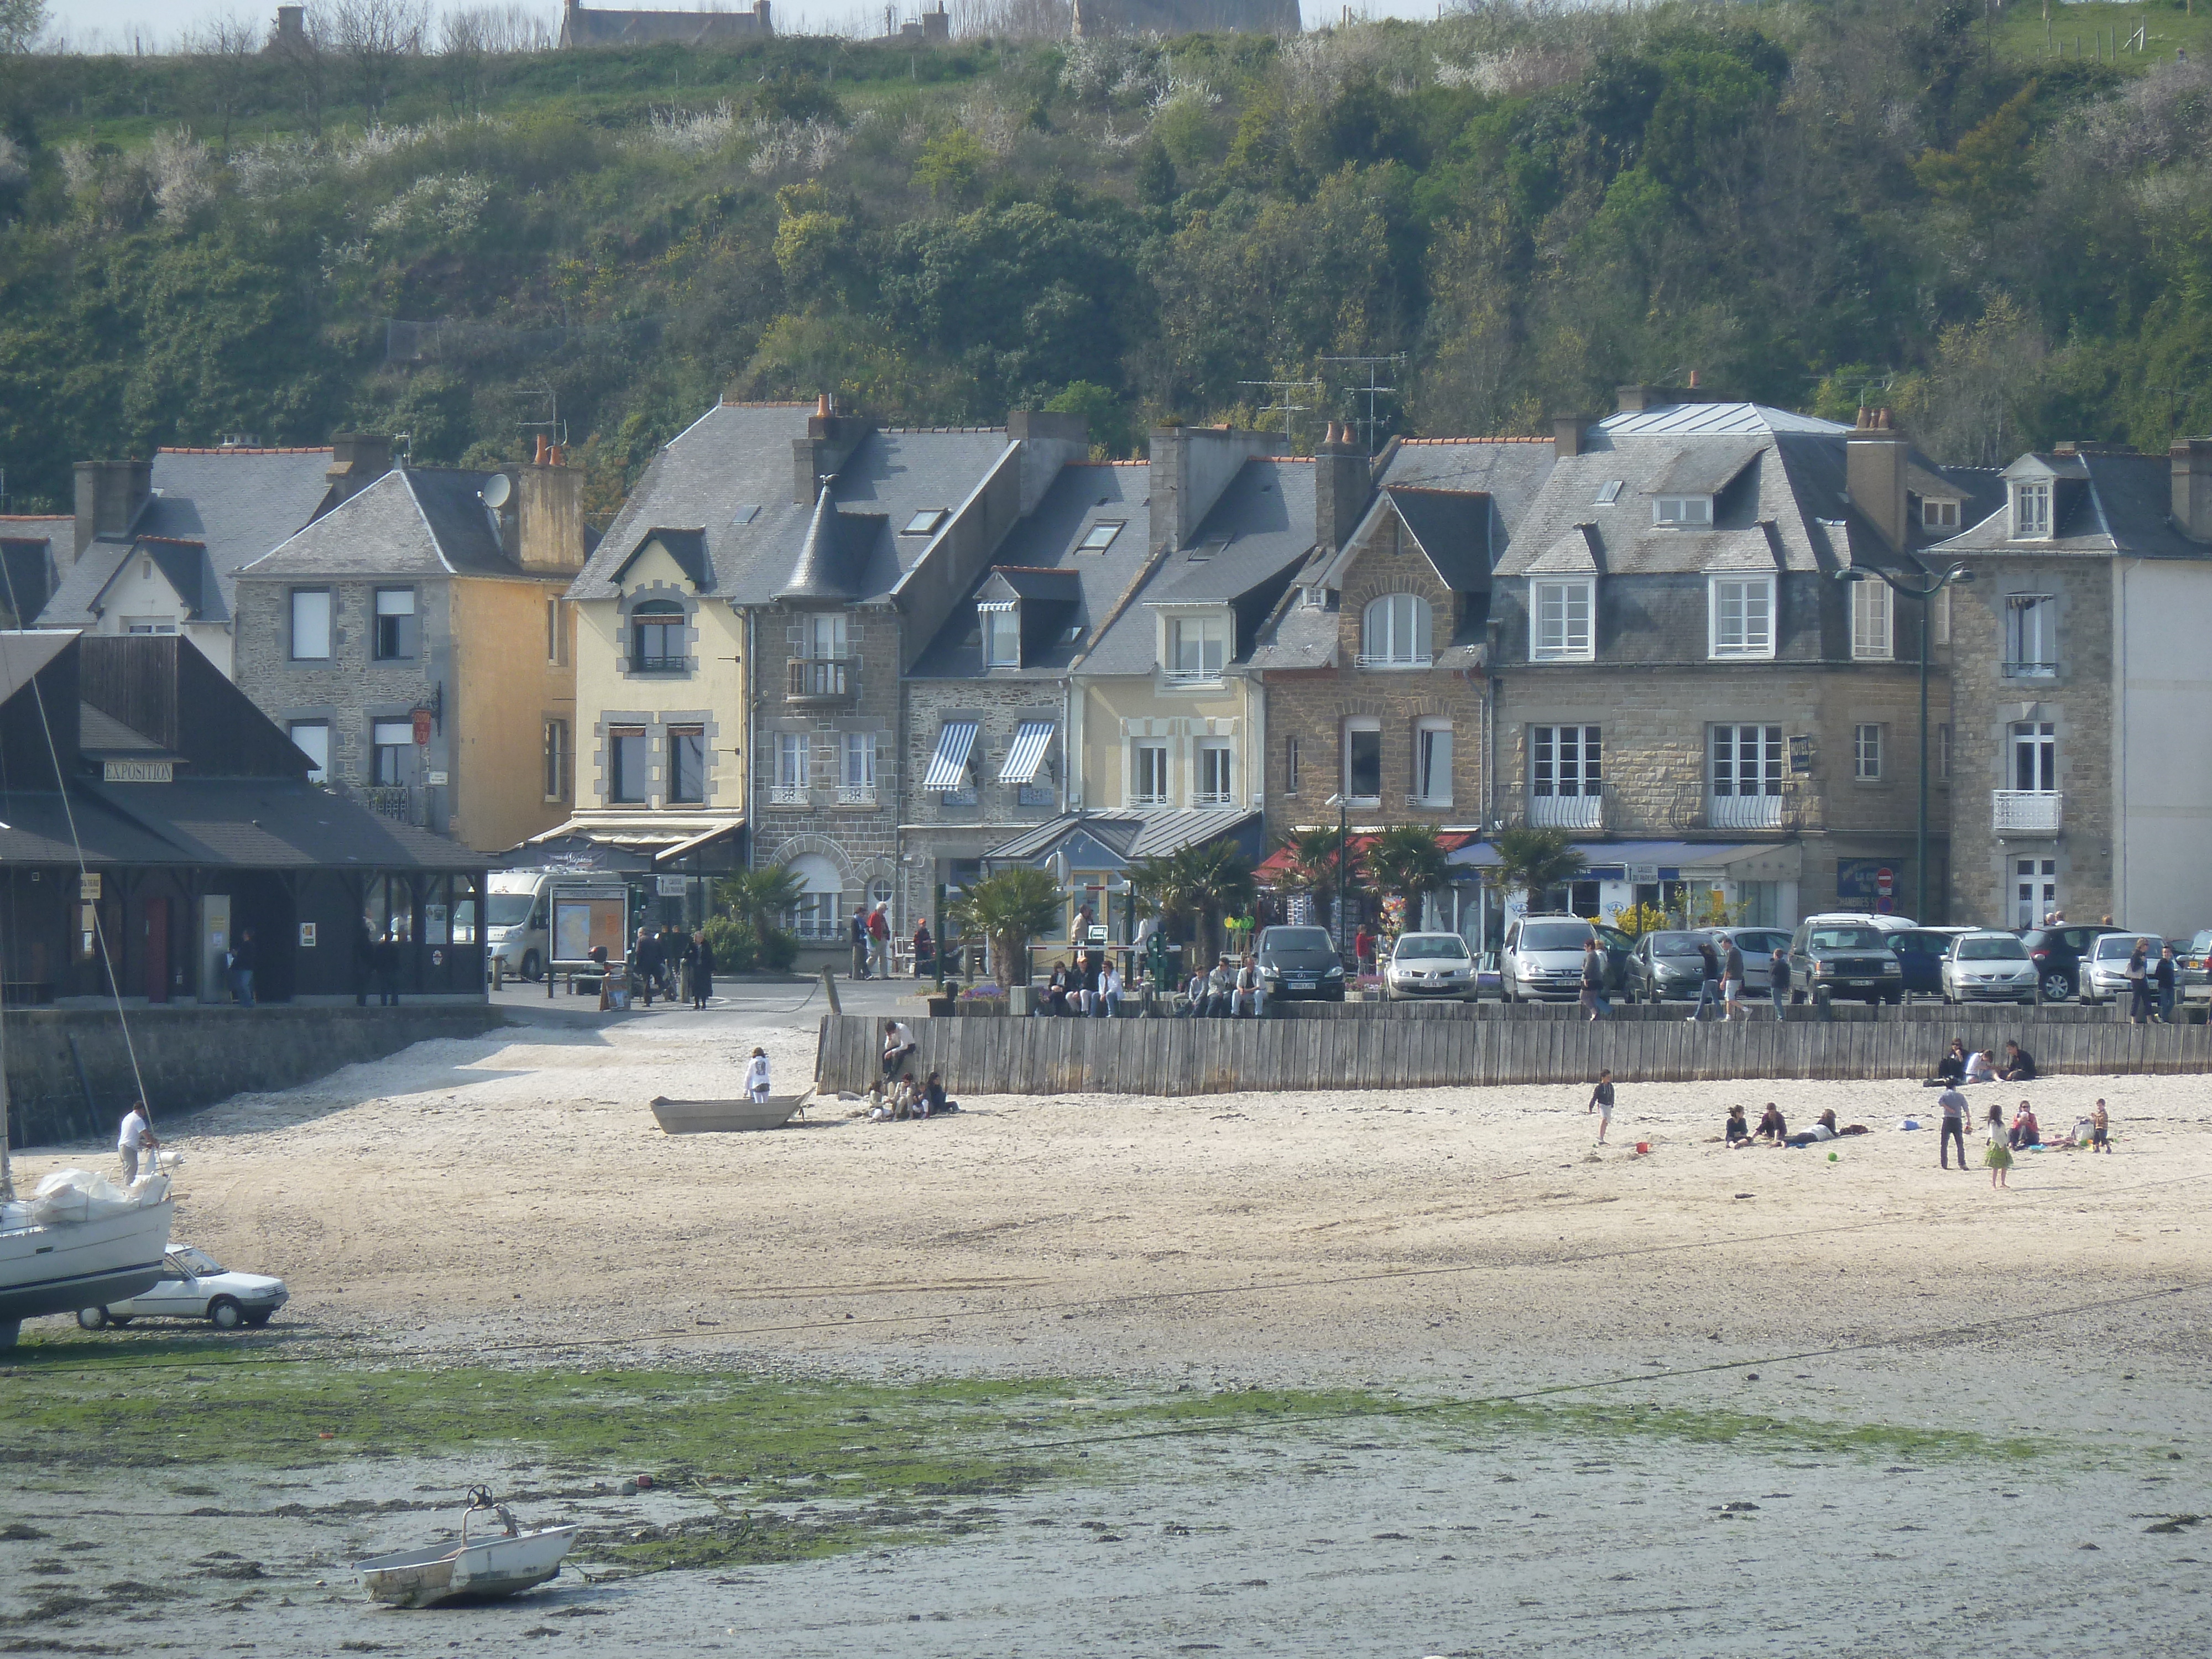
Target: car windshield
[(1554, 935), (509, 909), (1992, 947), (2116, 947), (1847, 938), (1296, 939), (198, 1263), (2201, 940), (1432, 946), (1674, 944)]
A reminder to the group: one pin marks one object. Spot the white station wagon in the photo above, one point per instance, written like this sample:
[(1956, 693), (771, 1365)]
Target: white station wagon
[(194, 1286)]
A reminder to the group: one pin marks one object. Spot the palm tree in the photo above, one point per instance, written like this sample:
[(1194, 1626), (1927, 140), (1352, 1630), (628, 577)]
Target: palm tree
[(1313, 864), (1536, 860), (1205, 884), (762, 899), (1009, 908), (1409, 860)]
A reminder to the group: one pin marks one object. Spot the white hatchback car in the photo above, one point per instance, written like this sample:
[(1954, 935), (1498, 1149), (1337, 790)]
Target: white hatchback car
[(1990, 966), (1429, 965), (194, 1286)]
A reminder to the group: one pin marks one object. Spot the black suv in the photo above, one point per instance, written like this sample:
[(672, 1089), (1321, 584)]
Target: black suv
[(2057, 953), (1830, 956)]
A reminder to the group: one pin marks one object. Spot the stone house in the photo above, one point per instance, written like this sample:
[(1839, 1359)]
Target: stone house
[(157, 543), (411, 642), (1680, 681), (2078, 692)]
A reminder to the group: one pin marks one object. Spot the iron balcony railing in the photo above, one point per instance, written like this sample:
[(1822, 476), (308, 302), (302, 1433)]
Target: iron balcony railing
[(2030, 812), (1566, 811), (390, 800)]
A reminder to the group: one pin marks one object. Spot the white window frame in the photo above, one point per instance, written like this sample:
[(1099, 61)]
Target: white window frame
[(556, 632), (149, 624), (1002, 634), (1220, 790), (320, 754), (1362, 724), (2037, 743), (789, 788), (831, 623), (398, 604), (856, 775), (1565, 761), (1562, 619), (1428, 773), (1766, 764), (2031, 510), (1100, 536), (1866, 752), (1937, 513), (312, 625), (1396, 630), (2035, 891), (2031, 623), (1210, 633), (1939, 624), (1943, 753), (1150, 781), (1682, 512), (1874, 620), (1736, 590)]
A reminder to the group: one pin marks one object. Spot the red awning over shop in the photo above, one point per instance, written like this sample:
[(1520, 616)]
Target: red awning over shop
[(1276, 865)]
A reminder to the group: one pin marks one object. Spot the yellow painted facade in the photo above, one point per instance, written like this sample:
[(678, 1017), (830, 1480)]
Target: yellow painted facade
[(513, 679), (1120, 715)]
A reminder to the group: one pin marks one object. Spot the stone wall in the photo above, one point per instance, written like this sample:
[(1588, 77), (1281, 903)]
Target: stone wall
[(2077, 700), (191, 1057), (940, 828)]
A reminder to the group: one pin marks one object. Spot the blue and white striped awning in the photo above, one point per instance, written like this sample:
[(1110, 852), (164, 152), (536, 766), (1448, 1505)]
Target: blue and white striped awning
[(1022, 760), (948, 767)]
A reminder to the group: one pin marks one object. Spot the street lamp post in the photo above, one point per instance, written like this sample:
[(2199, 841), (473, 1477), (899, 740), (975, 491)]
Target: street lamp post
[(1924, 592), (1343, 834)]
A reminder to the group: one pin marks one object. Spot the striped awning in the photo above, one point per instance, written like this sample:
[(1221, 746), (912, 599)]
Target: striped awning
[(1022, 760), (948, 767)]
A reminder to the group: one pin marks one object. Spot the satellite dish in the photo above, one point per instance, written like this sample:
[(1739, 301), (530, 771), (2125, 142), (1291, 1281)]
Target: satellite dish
[(496, 490)]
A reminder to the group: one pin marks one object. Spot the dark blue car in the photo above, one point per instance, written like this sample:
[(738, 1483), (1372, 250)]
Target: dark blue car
[(1920, 952)]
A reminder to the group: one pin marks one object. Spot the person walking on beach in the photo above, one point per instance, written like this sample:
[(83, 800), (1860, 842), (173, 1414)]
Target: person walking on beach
[(1732, 981), (1709, 983), (1600, 1101), (2161, 975), (757, 1077), (2139, 984), (137, 1135), (1954, 1105)]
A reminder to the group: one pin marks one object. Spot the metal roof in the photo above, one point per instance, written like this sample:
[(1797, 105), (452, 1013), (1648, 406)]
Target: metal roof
[(1711, 420)]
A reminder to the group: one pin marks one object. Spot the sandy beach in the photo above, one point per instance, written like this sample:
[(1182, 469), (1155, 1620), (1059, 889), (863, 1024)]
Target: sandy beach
[(512, 1195)]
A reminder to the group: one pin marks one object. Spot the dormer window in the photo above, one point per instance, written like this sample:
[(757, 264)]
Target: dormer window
[(1100, 536), (925, 522), (1002, 635), (1197, 648), (1683, 511), (1938, 515), (2031, 510)]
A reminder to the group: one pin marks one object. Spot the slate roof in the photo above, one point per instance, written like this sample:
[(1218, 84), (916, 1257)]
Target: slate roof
[(1252, 539), (2105, 504), (274, 824), (1509, 471), (839, 555), (1085, 494), (235, 504), (413, 521), (1452, 528), (98, 733), (34, 550)]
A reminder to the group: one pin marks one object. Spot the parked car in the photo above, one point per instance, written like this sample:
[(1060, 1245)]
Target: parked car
[(1666, 968), (2193, 975), (1847, 955), (1921, 953), (194, 1286), (1429, 965), (1543, 957), (1300, 962), (2104, 970), (1756, 945), (1989, 967), (2057, 953)]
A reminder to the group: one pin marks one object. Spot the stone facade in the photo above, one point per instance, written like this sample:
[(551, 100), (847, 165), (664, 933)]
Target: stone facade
[(943, 830), (1987, 702)]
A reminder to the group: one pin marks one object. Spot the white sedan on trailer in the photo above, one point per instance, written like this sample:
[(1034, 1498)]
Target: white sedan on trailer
[(194, 1286)]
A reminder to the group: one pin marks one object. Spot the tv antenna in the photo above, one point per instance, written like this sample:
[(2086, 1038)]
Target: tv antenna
[(1372, 420), (555, 430), (1286, 392)]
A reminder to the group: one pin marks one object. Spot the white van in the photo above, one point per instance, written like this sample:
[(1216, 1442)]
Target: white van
[(1543, 957), (517, 920)]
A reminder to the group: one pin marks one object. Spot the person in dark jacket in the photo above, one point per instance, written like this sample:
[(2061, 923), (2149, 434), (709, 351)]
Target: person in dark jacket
[(925, 952), (1709, 988), (386, 959), (241, 968), (859, 936), (2161, 977), (2019, 1064), (703, 969), (645, 963)]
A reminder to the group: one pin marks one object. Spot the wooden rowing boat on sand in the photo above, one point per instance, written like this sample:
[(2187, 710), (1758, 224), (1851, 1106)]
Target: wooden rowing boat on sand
[(694, 1117)]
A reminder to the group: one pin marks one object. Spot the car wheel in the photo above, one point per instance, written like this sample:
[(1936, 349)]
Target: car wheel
[(92, 1319), (532, 964), (225, 1314), (2056, 987), (260, 1318)]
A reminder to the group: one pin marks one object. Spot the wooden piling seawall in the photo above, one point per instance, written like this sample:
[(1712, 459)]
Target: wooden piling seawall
[(1428, 1048)]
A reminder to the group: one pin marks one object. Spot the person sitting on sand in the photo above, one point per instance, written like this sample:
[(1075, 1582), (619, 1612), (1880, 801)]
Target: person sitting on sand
[(1771, 1127), (1951, 1070), (1981, 1067), (1737, 1132), (932, 1096), (2025, 1132), (2019, 1064), (1823, 1130)]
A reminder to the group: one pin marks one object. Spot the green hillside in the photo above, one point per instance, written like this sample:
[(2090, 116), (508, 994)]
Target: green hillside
[(1809, 204)]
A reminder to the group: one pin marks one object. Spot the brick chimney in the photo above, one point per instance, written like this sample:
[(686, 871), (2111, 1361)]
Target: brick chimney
[(550, 513), (108, 496), (358, 459), (1567, 434), (830, 439), (2191, 462), (1875, 457), (1343, 485)]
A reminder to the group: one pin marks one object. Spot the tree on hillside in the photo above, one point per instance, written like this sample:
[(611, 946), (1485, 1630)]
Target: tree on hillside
[(372, 37), (227, 52), (21, 23), (1009, 908), (1533, 861), (1409, 860)]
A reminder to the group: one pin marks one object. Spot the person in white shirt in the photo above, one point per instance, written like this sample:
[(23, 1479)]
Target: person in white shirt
[(756, 1076), (137, 1135), (899, 1046), (1109, 991)]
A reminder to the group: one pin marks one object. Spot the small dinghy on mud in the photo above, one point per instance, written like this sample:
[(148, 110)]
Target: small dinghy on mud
[(696, 1117), (481, 1567)]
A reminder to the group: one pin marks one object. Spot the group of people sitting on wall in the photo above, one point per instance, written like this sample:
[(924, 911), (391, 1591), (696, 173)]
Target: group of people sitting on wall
[(1090, 988)]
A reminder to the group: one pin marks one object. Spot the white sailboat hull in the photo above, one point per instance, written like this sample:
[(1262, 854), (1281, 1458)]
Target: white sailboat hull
[(66, 1265)]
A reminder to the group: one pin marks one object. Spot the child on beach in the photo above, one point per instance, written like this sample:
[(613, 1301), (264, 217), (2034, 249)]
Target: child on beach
[(1600, 1101), (1999, 1155), (1737, 1130), (2100, 1138)]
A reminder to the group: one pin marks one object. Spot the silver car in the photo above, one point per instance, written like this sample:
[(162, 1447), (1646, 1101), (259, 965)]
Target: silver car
[(1429, 965), (194, 1286), (1989, 967), (2105, 965)]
